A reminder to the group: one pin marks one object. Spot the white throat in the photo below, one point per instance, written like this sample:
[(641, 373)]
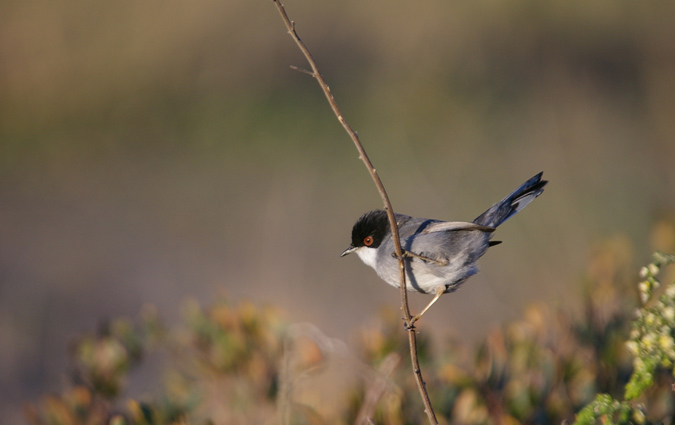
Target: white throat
[(368, 256)]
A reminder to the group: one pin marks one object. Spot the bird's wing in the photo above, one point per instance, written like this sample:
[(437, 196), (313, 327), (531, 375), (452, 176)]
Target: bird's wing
[(444, 226)]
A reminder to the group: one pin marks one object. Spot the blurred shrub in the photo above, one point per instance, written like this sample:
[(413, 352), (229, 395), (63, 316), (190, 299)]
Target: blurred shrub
[(245, 364)]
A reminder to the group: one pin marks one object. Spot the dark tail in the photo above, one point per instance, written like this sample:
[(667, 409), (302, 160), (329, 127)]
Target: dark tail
[(502, 210)]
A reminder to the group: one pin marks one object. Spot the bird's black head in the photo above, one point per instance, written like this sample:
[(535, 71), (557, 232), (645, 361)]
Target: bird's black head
[(370, 229)]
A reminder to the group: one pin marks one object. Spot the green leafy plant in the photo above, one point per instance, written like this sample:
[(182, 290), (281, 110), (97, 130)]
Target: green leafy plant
[(651, 342), (241, 364)]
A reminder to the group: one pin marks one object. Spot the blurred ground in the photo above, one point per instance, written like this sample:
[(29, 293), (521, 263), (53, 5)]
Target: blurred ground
[(151, 152)]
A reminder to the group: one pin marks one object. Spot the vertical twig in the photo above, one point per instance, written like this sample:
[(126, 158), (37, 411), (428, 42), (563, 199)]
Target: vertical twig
[(412, 336), (377, 389)]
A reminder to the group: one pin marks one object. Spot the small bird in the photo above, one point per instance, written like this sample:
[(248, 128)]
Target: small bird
[(439, 255)]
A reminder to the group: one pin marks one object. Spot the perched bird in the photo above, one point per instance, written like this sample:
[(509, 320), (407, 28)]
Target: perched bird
[(439, 255)]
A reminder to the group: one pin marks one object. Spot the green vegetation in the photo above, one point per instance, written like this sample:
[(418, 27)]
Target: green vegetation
[(244, 364), (651, 342)]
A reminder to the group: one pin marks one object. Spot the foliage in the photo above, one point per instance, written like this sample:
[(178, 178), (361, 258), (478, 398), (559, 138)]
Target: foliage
[(244, 364), (651, 342)]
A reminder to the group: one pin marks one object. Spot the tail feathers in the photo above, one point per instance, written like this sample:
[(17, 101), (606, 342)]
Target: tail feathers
[(516, 201)]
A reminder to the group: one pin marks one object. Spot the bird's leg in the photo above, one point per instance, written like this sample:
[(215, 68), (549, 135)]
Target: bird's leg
[(440, 290), (408, 254)]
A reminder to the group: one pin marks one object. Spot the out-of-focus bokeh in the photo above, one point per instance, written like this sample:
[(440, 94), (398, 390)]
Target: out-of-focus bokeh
[(152, 152)]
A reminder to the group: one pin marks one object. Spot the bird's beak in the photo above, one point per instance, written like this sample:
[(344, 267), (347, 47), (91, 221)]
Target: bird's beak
[(349, 250)]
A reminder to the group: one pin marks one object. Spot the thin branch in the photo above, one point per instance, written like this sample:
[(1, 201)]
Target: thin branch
[(303, 70), (377, 389), (412, 336)]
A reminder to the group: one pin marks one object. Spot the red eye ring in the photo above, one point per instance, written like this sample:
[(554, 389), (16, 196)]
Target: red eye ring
[(368, 240)]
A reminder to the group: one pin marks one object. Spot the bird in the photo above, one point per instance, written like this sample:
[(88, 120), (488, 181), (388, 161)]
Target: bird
[(439, 256)]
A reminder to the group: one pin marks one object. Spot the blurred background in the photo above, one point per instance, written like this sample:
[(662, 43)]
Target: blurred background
[(153, 152)]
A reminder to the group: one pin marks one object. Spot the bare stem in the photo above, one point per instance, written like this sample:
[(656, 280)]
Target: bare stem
[(412, 337), (377, 388)]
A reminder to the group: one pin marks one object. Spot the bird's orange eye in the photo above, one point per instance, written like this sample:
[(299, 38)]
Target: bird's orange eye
[(368, 241)]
